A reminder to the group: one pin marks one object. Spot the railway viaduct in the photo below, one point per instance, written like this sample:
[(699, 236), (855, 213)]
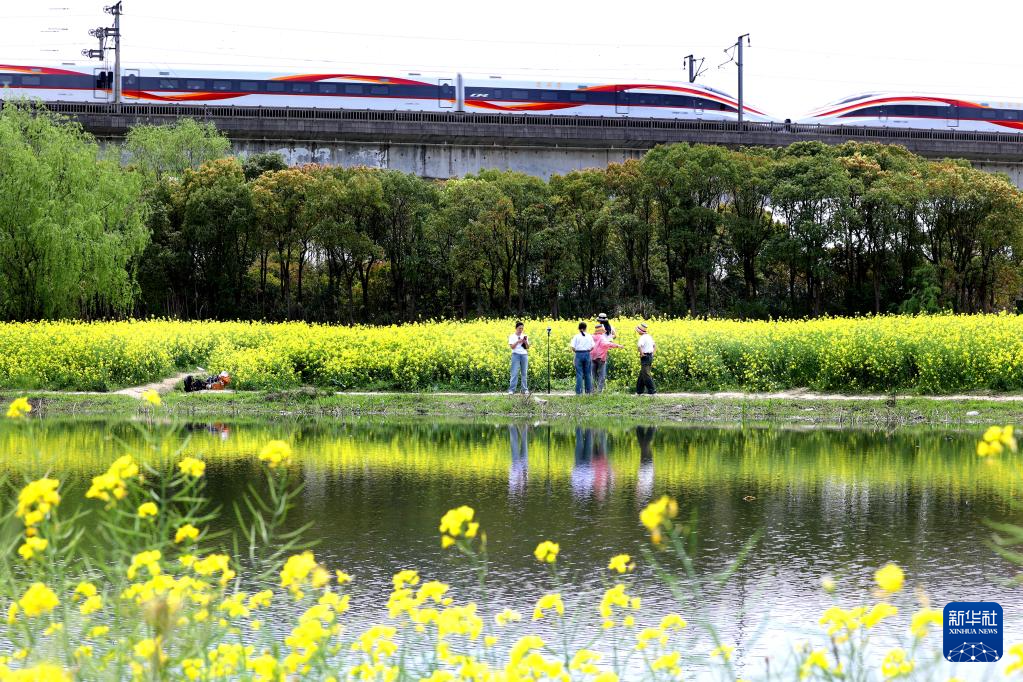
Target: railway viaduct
[(450, 144)]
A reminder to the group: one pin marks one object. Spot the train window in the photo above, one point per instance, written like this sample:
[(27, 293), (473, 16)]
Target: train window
[(1010, 115), (379, 90), (520, 94), (577, 96), (275, 86), (989, 113), (221, 85), (30, 80), (327, 88), (168, 84), (251, 86), (548, 95), (5, 80), (300, 87), (195, 85), (353, 89)]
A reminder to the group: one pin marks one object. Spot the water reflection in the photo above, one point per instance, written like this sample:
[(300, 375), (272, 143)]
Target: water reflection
[(827, 502), (518, 474)]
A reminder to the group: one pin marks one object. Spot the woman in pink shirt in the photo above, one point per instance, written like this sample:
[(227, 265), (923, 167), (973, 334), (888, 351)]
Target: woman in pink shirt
[(598, 356)]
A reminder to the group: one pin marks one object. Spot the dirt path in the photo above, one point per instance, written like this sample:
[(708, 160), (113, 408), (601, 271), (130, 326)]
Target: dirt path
[(161, 387)]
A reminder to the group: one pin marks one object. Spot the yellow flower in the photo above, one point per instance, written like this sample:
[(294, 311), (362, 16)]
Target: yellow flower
[(36, 500), (37, 600), (547, 552), (42, 672), (264, 668), (724, 652), (658, 514), (147, 509), (457, 522), (342, 577), (507, 616), (668, 662), (923, 619), (31, 546), (877, 613), (548, 602), (18, 408), (190, 466), (895, 664), (150, 560), (151, 397), (828, 584), (145, 648), (890, 578), (818, 658), (1017, 651), (585, 662), (186, 532), (99, 631), (83, 651), (621, 563), (276, 453)]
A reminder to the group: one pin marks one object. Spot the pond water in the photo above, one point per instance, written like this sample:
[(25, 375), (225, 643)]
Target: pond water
[(825, 502)]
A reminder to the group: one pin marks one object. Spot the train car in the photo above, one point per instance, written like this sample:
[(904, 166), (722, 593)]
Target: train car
[(408, 92), (912, 110)]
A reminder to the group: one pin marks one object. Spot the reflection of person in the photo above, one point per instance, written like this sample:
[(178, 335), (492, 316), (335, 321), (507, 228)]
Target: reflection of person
[(519, 471), (602, 475), (598, 356), (645, 477), (582, 344), (582, 470), (646, 346), (519, 344)]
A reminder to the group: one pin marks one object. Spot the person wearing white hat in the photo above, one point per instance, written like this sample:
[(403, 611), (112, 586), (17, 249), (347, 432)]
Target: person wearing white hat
[(646, 346)]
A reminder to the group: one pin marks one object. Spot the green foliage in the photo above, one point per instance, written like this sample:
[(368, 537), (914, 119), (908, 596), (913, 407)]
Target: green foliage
[(173, 149), (71, 220)]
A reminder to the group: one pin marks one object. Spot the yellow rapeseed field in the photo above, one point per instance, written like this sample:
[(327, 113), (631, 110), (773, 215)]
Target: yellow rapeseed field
[(932, 354)]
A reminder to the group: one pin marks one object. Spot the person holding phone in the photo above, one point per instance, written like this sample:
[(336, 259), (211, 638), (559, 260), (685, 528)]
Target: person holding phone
[(519, 344)]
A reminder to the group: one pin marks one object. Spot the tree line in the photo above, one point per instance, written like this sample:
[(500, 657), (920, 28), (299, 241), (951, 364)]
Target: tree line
[(809, 229)]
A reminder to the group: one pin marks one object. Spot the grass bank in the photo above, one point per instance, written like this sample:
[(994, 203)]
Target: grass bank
[(310, 403)]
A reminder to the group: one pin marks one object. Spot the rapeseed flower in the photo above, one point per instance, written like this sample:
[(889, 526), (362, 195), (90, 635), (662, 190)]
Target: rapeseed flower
[(724, 652), (37, 600), (890, 578), (41, 672), (621, 563), (818, 658), (896, 664), (549, 602), (186, 532), (507, 616), (923, 620), (996, 439), (657, 515), (18, 408), (147, 510), (456, 523), (190, 466), (151, 397), (547, 552), (1017, 651), (35, 502), (32, 546)]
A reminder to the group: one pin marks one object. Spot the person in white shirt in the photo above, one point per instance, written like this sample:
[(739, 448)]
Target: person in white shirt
[(582, 344), (646, 346), (519, 344)]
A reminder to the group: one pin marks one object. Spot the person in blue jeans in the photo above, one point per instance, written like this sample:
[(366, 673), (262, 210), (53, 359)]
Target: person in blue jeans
[(519, 344), (582, 344)]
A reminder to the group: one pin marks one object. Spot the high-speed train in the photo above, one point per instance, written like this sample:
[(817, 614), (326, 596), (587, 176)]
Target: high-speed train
[(409, 92), (913, 110)]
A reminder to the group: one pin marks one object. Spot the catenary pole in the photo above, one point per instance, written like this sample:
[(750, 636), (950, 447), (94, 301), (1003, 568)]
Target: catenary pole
[(116, 11), (739, 64)]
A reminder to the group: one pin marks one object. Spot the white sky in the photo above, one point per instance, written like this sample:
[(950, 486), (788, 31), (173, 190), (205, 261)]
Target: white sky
[(803, 54)]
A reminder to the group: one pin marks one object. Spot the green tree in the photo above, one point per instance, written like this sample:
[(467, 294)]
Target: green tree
[(279, 197), (72, 225), (171, 149)]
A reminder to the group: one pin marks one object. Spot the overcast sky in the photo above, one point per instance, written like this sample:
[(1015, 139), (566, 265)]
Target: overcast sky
[(802, 54)]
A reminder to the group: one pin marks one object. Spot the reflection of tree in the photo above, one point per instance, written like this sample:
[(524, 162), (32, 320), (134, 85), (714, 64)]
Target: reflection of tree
[(518, 473)]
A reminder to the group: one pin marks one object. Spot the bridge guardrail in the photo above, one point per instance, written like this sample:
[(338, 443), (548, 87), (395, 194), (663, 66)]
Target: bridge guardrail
[(215, 111)]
